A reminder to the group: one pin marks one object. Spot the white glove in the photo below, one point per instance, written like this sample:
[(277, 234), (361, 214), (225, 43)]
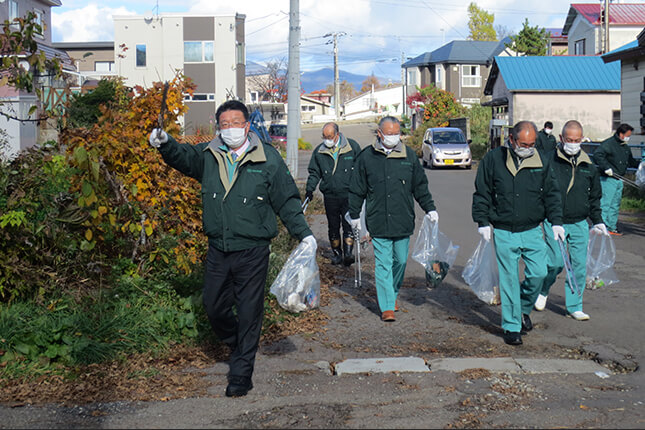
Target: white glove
[(356, 224), (433, 216), (558, 232), (601, 229), (310, 240), (609, 172), (485, 232), (158, 137)]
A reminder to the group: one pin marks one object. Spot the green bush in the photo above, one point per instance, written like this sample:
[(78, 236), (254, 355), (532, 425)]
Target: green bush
[(84, 109), (303, 144)]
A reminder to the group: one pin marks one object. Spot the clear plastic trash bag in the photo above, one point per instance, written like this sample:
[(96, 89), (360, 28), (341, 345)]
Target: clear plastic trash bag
[(601, 256), (640, 175), (481, 273), (297, 286), (434, 251)]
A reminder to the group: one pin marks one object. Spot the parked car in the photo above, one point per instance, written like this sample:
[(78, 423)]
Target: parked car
[(278, 133), (446, 146)]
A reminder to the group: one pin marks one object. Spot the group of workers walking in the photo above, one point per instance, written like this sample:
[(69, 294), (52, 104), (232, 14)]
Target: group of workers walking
[(532, 198)]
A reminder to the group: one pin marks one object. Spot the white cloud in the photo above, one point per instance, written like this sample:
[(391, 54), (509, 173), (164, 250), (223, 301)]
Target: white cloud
[(89, 23)]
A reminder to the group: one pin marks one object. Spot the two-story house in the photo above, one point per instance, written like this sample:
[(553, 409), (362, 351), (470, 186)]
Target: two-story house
[(93, 60), (17, 104), (208, 49), (584, 26), (460, 66)]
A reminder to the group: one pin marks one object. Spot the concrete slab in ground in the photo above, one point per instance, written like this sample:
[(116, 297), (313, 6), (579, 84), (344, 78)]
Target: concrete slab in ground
[(530, 365), (382, 365), (501, 364)]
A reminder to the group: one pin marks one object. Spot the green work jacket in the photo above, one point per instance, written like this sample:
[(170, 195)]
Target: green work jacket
[(545, 142), (332, 172), (614, 154)]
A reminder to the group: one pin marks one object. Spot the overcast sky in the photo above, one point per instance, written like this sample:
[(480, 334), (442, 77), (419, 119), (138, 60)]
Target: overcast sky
[(378, 32)]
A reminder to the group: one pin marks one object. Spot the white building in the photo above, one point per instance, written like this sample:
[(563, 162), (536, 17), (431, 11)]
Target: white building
[(376, 103), (206, 48), (584, 26)]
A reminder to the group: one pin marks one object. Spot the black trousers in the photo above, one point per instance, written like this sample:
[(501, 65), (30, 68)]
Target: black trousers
[(237, 279), (335, 209)]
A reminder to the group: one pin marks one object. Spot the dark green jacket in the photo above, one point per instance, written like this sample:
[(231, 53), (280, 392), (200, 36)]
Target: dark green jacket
[(579, 185), (240, 214), (332, 173), (545, 142), (389, 184), (516, 199), (614, 154)]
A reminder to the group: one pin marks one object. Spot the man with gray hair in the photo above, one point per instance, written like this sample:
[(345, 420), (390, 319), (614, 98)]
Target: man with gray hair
[(515, 190), (389, 178), (580, 189), (331, 165)]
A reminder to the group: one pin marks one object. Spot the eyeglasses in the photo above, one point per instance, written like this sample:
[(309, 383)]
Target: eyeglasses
[(234, 124)]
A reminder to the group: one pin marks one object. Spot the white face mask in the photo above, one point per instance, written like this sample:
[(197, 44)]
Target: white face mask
[(233, 137), (523, 152), (626, 139), (571, 148), (329, 143), (548, 130), (390, 140)]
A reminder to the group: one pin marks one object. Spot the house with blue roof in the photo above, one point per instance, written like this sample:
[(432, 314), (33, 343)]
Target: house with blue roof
[(556, 89), (460, 66)]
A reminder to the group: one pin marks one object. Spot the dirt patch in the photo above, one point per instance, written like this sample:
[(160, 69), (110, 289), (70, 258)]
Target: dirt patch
[(301, 416)]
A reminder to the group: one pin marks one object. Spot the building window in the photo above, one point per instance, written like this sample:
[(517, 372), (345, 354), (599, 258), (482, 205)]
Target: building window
[(240, 54), (579, 47), (141, 55), (203, 97), (412, 77), (104, 66), (254, 96), (40, 21), (13, 10), (470, 76), (308, 108), (199, 52), (437, 71), (615, 119), (469, 101)]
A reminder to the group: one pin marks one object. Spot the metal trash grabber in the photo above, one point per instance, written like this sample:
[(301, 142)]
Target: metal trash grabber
[(304, 205), (627, 181), (569, 269), (357, 247)]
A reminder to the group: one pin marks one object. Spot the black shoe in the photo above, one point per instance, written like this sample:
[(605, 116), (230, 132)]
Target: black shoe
[(348, 251), (527, 325), (336, 256), (512, 337), (238, 386)]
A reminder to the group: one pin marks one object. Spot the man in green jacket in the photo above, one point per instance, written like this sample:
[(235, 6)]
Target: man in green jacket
[(331, 165), (515, 190), (389, 177), (579, 185), (245, 183), (613, 157), (545, 140)]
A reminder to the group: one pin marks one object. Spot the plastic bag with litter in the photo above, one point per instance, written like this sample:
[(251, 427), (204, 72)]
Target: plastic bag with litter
[(434, 251), (297, 286), (601, 256), (481, 273)]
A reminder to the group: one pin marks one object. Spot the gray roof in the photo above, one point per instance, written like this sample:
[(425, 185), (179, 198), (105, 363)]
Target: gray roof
[(84, 45), (461, 52)]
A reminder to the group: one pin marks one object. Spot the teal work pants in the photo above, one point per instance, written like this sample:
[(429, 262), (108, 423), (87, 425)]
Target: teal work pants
[(612, 192), (577, 239), (390, 258), (518, 298)]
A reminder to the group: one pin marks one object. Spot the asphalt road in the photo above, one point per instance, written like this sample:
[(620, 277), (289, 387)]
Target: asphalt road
[(295, 385)]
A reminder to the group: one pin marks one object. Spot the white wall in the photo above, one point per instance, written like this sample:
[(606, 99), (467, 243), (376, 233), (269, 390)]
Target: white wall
[(391, 99), (593, 110), (582, 29)]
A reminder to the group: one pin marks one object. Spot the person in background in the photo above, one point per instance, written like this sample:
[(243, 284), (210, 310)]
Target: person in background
[(389, 178), (245, 183), (515, 190), (613, 157), (545, 141), (331, 165), (579, 185)]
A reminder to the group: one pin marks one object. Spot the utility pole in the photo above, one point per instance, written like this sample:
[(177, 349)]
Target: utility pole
[(293, 88), (606, 26), (404, 110), (336, 83)]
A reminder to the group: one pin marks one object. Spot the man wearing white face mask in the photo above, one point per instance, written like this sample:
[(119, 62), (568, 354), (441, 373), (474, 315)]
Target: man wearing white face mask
[(389, 178), (331, 165), (613, 156), (515, 190), (545, 141), (579, 184), (245, 184)]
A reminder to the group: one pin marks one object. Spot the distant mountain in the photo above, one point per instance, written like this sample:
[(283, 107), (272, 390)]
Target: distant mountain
[(320, 79)]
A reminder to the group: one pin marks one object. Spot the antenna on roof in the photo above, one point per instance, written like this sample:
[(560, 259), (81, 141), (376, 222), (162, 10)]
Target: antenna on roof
[(157, 8)]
